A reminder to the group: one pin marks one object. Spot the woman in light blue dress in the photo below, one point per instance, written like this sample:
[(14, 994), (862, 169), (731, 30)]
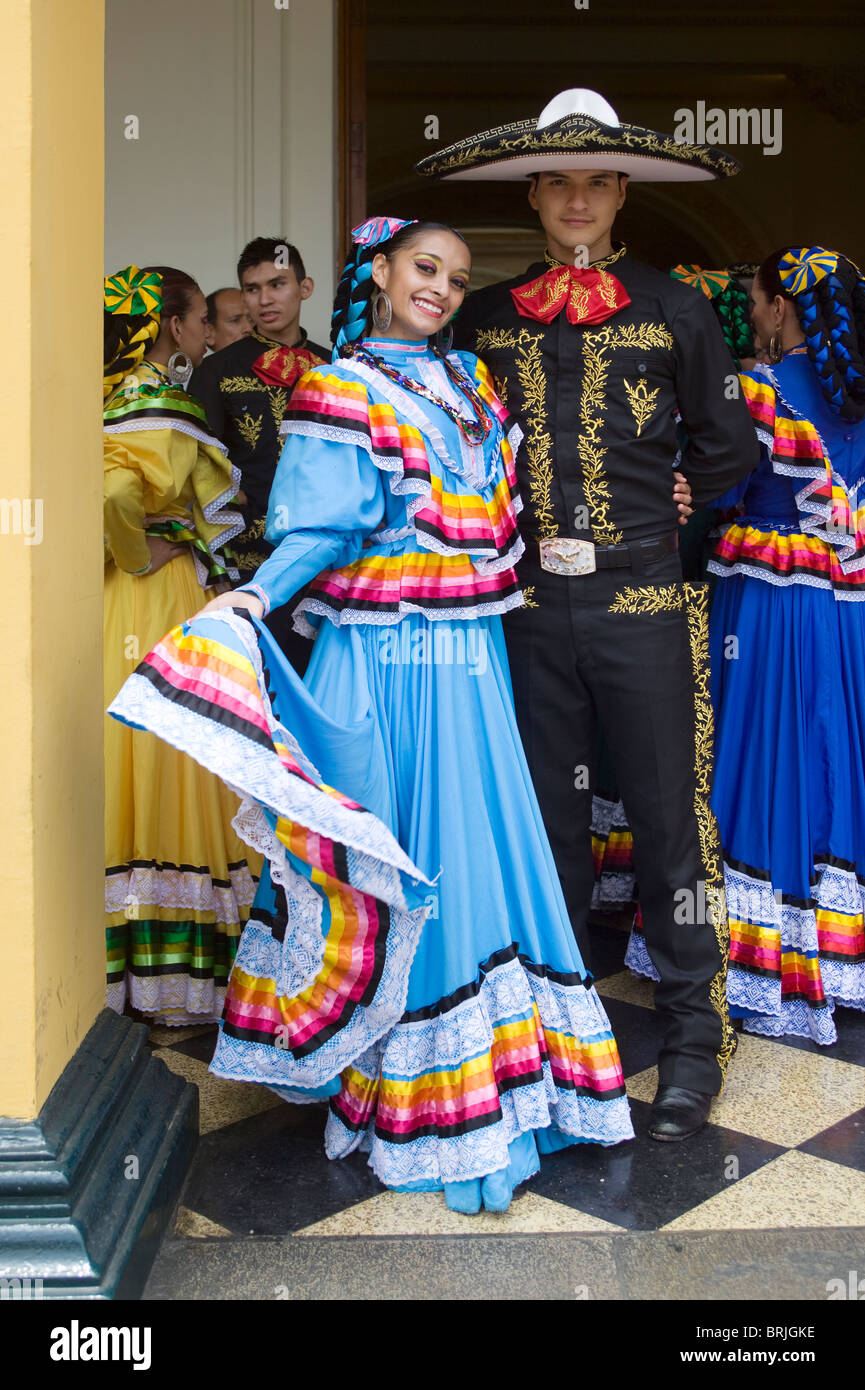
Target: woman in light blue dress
[(409, 953)]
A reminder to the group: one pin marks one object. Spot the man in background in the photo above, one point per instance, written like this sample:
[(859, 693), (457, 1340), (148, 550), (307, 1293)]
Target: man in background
[(245, 387), (227, 319)]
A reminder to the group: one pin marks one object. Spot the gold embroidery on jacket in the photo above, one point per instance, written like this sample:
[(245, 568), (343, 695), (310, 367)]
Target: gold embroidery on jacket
[(249, 428), (594, 265), (278, 400), (593, 403), (529, 596), (230, 384), (642, 401), (539, 445), (250, 561)]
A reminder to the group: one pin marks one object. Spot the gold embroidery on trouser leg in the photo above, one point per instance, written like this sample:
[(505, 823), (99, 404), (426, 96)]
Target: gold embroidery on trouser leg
[(529, 596), (538, 441), (663, 598), (697, 602), (671, 598)]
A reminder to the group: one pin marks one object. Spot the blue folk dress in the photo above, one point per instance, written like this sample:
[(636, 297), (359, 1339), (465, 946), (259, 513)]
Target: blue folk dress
[(787, 647), (409, 953)]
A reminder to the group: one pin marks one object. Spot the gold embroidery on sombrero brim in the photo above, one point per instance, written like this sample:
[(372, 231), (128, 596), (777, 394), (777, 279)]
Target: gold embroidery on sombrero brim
[(526, 139)]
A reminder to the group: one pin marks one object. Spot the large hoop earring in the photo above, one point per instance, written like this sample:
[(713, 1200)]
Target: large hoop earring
[(776, 352), (443, 339), (382, 311), (179, 373)]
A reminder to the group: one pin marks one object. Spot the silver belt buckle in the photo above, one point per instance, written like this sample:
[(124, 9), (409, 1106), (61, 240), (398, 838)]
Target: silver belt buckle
[(567, 555)]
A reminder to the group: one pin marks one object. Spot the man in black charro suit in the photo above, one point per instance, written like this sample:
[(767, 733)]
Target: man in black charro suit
[(600, 357)]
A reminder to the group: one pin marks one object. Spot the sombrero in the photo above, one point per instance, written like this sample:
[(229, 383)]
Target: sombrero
[(578, 129)]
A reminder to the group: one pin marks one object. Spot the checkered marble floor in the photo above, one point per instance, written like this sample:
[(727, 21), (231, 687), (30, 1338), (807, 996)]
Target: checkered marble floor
[(785, 1148)]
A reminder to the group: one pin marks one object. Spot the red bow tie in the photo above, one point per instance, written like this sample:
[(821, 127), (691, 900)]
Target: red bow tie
[(590, 295), (283, 366)]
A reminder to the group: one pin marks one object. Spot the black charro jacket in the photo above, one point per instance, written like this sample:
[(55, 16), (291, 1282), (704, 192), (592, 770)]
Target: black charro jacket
[(600, 405)]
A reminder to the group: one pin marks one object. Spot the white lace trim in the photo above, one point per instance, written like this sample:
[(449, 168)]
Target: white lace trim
[(217, 512), (614, 889), (813, 514), (811, 581), (174, 1000), (637, 957), (260, 955), (506, 992), (753, 900), (349, 616), (303, 946), (250, 770), (162, 422), (181, 889)]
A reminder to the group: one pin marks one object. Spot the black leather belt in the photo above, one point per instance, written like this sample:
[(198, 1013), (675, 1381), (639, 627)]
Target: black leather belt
[(570, 555)]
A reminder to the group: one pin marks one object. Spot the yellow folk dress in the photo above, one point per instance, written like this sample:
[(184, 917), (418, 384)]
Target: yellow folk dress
[(179, 883)]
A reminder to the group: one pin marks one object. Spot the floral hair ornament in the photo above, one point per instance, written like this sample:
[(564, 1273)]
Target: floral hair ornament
[(711, 282), (378, 229), (803, 269)]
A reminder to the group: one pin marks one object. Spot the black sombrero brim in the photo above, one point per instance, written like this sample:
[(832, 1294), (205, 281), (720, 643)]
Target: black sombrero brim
[(521, 148)]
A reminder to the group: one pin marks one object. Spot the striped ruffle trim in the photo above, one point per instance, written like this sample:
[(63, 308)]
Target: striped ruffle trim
[(450, 513), (522, 1048), (382, 588), (825, 501), (785, 558)]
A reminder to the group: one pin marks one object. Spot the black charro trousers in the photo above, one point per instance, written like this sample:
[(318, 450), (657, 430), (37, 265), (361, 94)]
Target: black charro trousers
[(629, 647)]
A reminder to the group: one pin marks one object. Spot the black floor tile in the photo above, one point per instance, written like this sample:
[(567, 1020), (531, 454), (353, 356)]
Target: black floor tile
[(644, 1184), (843, 1143), (638, 1033), (202, 1047), (269, 1174)]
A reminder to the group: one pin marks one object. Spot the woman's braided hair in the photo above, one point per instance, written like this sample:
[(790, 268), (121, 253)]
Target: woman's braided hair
[(127, 337), (831, 311), (732, 309), (351, 318)]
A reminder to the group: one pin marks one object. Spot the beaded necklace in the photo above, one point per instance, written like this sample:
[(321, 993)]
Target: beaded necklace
[(474, 431)]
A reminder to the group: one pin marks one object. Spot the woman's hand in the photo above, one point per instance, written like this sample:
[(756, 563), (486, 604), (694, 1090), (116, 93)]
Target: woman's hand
[(233, 599), (162, 552), (682, 497)]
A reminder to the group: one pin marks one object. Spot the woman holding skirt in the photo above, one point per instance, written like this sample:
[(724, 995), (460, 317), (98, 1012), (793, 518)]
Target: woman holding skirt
[(409, 954)]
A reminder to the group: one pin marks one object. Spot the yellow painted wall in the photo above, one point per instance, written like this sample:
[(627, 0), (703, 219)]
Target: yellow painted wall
[(51, 143)]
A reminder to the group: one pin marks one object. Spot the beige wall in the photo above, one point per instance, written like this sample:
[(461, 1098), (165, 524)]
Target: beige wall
[(52, 980), (235, 101)]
